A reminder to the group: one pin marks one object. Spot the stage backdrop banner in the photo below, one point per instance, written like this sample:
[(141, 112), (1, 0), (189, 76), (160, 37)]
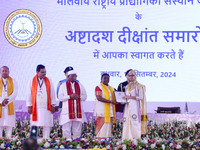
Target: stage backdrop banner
[(159, 39)]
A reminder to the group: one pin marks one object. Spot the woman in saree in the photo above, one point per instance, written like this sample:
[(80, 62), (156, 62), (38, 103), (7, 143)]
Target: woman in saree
[(105, 114)]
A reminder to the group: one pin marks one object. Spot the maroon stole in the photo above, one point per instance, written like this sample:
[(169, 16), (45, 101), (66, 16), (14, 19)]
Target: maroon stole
[(71, 101)]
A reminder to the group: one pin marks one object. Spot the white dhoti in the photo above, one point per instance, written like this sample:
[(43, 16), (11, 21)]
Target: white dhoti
[(72, 129), (45, 120), (7, 121), (46, 131), (8, 131)]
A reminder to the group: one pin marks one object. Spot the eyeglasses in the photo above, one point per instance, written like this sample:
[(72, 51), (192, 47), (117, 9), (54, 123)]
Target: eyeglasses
[(131, 75)]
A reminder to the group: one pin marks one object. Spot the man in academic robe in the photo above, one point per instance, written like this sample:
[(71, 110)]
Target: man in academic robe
[(144, 118)]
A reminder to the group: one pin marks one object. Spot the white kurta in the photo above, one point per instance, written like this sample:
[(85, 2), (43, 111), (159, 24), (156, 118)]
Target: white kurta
[(44, 116), (132, 116), (64, 97), (8, 120)]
